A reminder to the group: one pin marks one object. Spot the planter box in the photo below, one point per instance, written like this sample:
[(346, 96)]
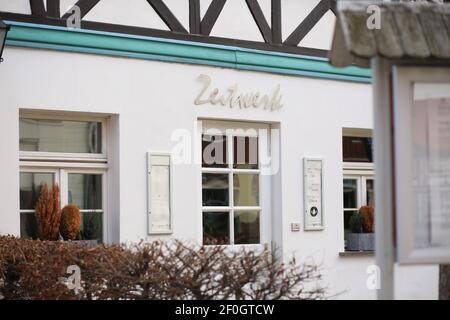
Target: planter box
[(360, 241)]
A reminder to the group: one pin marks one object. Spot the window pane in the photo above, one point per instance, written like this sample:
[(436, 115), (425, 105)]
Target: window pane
[(246, 189), (28, 225), (246, 227), (214, 151), (30, 187), (370, 192), (245, 152), (215, 189), (347, 216), (216, 228), (91, 226), (60, 136), (85, 190), (350, 193), (357, 149)]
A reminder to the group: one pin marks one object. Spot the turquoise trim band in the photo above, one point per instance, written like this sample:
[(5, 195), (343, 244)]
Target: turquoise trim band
[(104, 43)]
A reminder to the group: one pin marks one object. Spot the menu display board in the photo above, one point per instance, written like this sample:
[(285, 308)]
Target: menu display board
[(431, 169), (421, 119), (312, 189), (159, 208)]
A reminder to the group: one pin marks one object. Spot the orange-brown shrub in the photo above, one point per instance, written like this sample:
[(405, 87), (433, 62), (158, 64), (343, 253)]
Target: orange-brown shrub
[(156, 270), (70, 222), (48, 213), (367, 215)]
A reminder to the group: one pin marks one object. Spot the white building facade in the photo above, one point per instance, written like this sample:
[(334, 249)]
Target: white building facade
[(119, 119)]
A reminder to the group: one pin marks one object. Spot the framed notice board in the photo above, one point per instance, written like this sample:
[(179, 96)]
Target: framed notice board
[(159, 193), (312, 194)]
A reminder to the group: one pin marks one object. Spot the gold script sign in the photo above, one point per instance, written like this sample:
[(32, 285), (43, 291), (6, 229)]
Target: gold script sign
[(232, 98)]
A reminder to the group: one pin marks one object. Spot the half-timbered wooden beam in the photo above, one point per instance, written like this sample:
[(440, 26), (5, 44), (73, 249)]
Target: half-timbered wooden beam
[(194, 16), (53, 9), (166, 34), (211, 15), (167, 16), (37, 8), (276, 22), (260, 20), (333, 5), (84, 5), (308, 23)]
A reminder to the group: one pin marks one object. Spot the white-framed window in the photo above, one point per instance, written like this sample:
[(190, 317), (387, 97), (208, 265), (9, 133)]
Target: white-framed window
[(69, 151), (358, 173), (62, 137), (234, 212)]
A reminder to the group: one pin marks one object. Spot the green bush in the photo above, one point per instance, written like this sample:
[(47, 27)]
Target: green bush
[(356, 223)]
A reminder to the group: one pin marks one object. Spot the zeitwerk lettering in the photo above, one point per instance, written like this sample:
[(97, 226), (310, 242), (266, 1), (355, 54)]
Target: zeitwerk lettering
[(232, 98)]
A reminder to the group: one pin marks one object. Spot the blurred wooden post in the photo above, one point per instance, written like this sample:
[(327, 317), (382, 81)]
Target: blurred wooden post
[(384, 177)]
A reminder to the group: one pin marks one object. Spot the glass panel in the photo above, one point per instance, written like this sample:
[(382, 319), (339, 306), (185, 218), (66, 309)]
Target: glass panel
[(214, 151), (347, 230), (60, 136), (347, 216), (246, 227), (245, 152), (246, 189), (350, 193), (85, 190), (431, 164), (216, 228), (91, 226), (28, 225), (30, 186), (357, 149), (370, 191), (215, 189)]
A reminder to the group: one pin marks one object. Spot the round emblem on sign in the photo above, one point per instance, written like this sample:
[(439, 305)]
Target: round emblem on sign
[(314, 211)]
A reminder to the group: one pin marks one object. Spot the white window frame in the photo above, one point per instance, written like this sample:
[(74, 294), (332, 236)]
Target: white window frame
[(62, 156), (359, 171), (264, 180), (361, 184), (62, 164), (61, 178), (404, 79)]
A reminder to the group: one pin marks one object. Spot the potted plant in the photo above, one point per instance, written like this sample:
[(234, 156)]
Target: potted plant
[(71, 225), (48, 213), (362, 236)]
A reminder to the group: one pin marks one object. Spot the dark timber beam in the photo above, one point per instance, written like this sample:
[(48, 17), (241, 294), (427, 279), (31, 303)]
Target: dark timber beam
[(167, 16), (276, 22), (211, 15), (310, 21), (194, 16), (53, 9), (84, 5), (37, 8), (260, 20), (333, 6)]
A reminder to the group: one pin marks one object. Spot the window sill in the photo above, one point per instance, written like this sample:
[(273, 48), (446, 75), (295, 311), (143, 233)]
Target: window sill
[(356, 253)]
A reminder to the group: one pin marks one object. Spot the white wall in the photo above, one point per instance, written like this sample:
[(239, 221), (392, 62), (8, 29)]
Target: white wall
[(149, 100), (235, 21)]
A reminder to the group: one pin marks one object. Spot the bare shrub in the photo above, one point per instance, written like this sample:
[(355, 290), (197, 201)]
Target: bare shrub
[(154, 270)]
